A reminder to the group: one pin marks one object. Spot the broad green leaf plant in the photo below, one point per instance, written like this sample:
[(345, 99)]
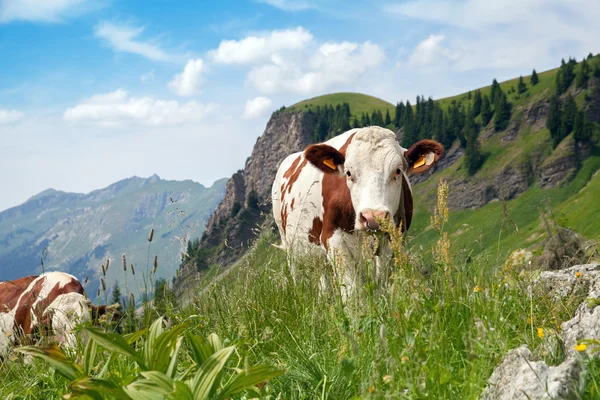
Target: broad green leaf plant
[(159, 374)]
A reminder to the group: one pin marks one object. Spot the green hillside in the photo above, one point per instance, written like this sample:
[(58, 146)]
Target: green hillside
[(359, 103)]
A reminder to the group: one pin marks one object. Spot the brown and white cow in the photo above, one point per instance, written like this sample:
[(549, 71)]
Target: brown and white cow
[(323, 196), (54, 300)]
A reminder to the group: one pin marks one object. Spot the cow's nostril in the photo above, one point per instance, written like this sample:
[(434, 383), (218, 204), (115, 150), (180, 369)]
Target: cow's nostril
[(367, 218)]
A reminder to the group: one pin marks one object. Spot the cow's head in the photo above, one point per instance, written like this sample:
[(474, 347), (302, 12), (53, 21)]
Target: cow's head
[(103, 313), (375, 165)]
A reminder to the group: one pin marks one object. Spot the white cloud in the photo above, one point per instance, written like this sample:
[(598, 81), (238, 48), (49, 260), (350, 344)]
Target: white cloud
[(117, 108), (190, 81), (332, 64), (147, 77), (257, 107), (253, 49), (10, 116), (40, 10), (431, 51), (125, 38), (503, 34), (288, 5)]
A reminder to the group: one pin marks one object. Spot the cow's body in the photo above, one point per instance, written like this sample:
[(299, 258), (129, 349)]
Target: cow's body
[(323, 196), (53, 297)]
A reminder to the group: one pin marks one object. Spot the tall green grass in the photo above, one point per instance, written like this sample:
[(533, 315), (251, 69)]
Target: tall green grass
[(434, 330)]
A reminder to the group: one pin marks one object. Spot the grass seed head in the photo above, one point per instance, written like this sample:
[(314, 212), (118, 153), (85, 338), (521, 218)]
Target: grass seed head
[(155, 264), (124, 263), (151, 235)]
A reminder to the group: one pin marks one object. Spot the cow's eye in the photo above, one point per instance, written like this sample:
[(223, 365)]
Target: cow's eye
[(348, 174), (398, 171)]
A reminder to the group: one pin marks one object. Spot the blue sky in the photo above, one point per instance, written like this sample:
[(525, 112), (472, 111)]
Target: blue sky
[(92, 92)]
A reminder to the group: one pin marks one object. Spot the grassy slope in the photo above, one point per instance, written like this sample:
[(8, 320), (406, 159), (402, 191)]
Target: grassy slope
[(487, 227), (359, 103)]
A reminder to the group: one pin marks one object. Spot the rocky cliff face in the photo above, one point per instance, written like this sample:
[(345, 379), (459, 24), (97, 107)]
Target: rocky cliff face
[(246, 204)]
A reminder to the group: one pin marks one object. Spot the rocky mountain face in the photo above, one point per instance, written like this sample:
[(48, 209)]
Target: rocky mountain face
[(246, 205), (77, 233)]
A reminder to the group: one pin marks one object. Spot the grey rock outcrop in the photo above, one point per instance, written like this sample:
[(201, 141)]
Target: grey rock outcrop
[(521, 376)]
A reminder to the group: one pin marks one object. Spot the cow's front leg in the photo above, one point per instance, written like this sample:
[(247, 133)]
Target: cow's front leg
[(342, 255)]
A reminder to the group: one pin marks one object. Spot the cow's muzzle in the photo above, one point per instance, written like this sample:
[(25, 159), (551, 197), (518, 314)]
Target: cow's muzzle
[(368, 219)]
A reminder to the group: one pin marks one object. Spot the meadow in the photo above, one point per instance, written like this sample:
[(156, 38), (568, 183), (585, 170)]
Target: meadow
[(436, 329)]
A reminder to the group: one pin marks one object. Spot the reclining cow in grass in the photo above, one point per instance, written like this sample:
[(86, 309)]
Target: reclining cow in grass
[(52, 302), (330, 194)]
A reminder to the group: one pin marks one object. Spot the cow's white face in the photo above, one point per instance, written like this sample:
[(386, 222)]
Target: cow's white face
[(374, 167)]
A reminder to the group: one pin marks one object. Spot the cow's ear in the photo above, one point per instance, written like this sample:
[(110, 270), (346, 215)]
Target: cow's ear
[(325, 158), (423, 155)]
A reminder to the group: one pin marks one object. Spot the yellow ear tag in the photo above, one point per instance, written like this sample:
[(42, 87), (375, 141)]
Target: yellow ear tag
[(420, 162), (329, 163)]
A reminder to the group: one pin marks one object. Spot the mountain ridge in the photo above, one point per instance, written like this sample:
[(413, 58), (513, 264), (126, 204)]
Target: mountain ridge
[(77, 232)]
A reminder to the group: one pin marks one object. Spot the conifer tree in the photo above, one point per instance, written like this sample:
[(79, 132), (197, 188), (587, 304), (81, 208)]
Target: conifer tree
[(583, 129), (583, 75), (560, 84), (477, 100), (398, 114), (534, 78), (473, 157), (501, 112), (521, 87), (567, 123), (486, 110), (494, 90), (387, 120), (116, 293), (410, 133), (597, 70), (553, 119)]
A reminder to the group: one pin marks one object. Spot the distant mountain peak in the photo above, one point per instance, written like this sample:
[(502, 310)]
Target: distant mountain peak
[(153, 179)]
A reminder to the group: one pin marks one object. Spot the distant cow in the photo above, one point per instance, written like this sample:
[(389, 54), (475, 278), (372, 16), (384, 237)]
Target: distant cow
[(324, 195), (52, 301)]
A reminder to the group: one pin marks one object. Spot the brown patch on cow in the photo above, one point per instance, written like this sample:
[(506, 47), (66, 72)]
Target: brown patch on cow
[(420, 149), (292, 204), (11, 290), (292, 168), (338, 211), (292, 175), (408, 204), (314, 234), (284, 215)]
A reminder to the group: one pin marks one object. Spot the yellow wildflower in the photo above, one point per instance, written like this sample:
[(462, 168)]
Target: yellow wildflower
[(476, 289), (580, 347), (387, 379), (404, 359), (578, 274), (371, 389), (540, 333)]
